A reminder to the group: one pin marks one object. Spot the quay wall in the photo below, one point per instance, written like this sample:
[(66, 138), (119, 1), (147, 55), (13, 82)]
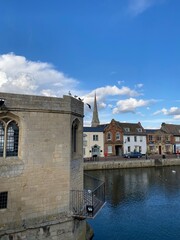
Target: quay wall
[(100, 165)]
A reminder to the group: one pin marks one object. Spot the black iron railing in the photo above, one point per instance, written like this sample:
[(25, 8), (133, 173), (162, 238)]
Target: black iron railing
[(87, 203)]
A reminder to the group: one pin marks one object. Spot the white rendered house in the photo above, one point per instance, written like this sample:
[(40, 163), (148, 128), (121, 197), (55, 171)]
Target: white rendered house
[(93, 141), (135, 143)]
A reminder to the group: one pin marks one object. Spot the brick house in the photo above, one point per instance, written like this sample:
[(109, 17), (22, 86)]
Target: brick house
[(120, 138), (113, 139)]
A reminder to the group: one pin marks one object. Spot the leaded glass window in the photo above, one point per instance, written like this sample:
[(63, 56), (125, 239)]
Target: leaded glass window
[(12, 139), (1, 139), (9, 137)]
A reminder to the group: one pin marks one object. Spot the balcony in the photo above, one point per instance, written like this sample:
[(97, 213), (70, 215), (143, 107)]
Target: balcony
[(87, 203)]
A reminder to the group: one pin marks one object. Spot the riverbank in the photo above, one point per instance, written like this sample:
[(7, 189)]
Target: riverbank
[(130, 163)]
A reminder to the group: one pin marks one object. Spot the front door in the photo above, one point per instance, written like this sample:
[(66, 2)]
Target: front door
[(160, 150), (95, 151), (118, 150)]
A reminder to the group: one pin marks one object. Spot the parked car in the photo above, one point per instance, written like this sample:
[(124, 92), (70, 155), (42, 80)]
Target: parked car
[(133, 155)]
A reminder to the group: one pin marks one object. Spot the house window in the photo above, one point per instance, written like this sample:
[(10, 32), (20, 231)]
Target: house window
[(109, 149), (139, 129), (167, 138), (84, 143), (95, 137), (127, 129), (152, 148), (167, 148), (136, 148), (177, 139), (117, 136), (135, 138), (109, 136), (129, 149), (9, 137), (150, 137), (128, 139), (158, 138), (3, 200)]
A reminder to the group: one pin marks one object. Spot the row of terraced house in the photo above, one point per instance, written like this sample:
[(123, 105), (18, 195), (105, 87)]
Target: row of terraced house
[(117, 138)]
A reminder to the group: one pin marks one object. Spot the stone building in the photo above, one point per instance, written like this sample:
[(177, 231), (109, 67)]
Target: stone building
[(165, 140), (40, 164), (174, 131), (159, 142)]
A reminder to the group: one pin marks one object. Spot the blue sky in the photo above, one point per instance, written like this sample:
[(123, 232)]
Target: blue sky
[(127, 51)]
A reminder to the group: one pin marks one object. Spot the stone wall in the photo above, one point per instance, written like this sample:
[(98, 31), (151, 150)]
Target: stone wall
[(130, 164), (67, 230), (39, 179)]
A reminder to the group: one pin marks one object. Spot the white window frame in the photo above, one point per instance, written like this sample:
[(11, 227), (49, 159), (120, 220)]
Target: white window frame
[(109, 148), (95, 137), (109, 136), (9, 138), (118, 136)]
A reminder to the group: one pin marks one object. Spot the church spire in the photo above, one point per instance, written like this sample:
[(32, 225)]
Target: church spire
[(95, 120)]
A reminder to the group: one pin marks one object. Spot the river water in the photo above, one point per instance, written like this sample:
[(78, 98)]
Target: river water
[(142, 204)]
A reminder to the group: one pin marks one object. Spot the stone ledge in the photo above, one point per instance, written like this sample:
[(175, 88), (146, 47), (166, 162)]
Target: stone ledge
[(129, 164)]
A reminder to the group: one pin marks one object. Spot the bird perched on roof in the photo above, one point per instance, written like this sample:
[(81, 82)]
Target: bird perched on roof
[(69, 93), (89, 105), (80, 99)]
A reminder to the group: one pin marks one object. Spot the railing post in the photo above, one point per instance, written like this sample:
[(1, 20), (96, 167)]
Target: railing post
[(88, 202)]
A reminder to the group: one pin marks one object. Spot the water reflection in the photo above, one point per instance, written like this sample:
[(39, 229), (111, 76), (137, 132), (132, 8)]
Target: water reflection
[(141, 204)]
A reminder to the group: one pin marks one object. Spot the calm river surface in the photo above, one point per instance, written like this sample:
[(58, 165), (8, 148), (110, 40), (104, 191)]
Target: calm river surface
[(142, 204)]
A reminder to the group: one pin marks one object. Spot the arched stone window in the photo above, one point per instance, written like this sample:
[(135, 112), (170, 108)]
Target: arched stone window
[(9, 137), (76, 137)]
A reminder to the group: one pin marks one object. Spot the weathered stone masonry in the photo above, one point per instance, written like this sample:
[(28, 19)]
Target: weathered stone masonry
[(39, 179)]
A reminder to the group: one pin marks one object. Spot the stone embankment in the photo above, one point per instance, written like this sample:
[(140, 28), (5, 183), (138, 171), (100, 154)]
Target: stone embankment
[(130, 163)]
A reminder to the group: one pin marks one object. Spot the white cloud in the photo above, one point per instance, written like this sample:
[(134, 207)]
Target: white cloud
[(136, 7), (106, 91), (130, 105), (18, 75), (102, 105), (120, 82), (139, 85), (173, 111), (104, 95)]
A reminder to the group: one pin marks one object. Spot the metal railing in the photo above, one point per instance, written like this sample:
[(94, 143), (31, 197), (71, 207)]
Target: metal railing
[(87, 203)]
